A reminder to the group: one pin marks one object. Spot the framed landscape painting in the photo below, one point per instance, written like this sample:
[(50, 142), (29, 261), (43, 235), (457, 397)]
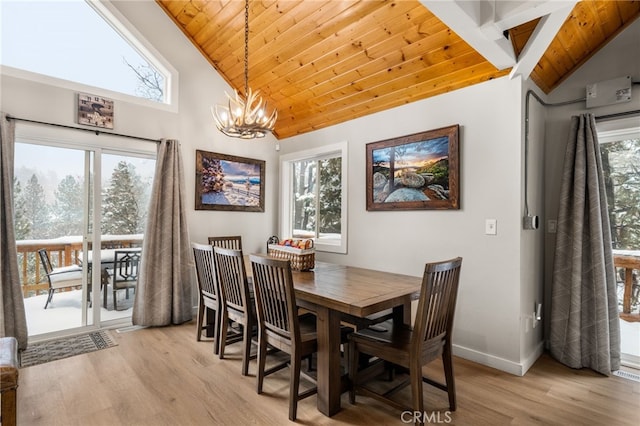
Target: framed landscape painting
[(227, 182), (413, 172)]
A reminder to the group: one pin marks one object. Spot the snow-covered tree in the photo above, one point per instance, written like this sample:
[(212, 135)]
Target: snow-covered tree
[(121, 213), (68, 207), (621, 164), (20, 220), (36, 210), (330, 200)]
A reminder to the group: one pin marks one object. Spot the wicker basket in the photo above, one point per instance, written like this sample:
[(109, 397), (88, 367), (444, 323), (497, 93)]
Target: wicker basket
[(301, 259)]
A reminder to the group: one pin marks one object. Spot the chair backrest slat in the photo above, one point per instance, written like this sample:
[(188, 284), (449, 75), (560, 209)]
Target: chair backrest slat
[(275, 296), (232, 278), (205, 269), (436, 307), (125, 264), (233, 242)]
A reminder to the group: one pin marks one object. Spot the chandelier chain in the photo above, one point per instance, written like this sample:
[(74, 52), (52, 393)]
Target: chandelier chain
[(245, 116), (246, 47)]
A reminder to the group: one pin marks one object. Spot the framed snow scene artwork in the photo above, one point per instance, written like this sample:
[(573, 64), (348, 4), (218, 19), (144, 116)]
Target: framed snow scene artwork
[(414, 172), (227, 182)]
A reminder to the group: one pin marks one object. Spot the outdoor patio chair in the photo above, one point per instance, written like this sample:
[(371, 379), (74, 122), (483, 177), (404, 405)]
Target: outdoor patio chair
[(59, 278), (125, 272)]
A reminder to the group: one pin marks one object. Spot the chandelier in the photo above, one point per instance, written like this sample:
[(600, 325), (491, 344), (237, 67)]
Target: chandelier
[(247, 117)]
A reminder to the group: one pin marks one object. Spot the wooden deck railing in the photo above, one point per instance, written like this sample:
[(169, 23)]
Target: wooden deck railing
[(62, 252), (630, 262)]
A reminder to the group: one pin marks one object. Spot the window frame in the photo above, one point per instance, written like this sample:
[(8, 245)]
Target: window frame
[(286, 178), (128, 32)]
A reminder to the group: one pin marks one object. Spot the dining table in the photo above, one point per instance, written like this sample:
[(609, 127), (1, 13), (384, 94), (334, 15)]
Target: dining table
[(333, 292)]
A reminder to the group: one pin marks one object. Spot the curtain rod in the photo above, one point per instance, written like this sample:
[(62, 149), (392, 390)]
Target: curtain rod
[(531, 92), (97, 132), (618, 114)]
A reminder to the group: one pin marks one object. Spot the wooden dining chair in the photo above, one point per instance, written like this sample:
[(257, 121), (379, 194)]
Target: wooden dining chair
[(208, 298), (237, 302), (411, 348), (280, 326), (229, 242)]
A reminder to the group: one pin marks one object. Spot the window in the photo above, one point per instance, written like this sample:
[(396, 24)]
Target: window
[(620, 152), (84, 43), (620, 149), (314, 197)]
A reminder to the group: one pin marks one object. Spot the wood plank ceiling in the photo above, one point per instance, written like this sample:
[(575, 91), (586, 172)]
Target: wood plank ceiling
[(325, 62)]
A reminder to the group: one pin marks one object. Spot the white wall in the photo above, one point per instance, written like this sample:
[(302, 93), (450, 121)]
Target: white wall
[(487, 325), (532, 241)]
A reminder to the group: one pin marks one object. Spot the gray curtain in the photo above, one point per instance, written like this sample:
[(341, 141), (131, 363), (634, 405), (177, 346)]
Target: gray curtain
[(13, 321), (163, 295), (585, 331)]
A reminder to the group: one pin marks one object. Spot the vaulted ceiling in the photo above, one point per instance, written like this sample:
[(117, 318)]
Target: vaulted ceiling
[(324, 62)]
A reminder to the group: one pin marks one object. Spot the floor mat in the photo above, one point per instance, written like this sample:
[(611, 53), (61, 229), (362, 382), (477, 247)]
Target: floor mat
[(51, 350)]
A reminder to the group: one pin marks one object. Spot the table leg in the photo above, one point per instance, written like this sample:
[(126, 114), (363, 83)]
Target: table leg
[(403, 312), (329, 373)]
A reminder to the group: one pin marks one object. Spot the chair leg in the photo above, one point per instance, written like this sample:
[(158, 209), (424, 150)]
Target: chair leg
[(224, 324), (49, 298), (294, 386), (199, 321), (8, 408), (216, 331), (448, 374), (415, 374), (354, 357), (246, 346), (262, 357)]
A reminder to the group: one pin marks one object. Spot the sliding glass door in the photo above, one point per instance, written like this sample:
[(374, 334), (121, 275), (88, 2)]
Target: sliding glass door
[(53, 205), (56, 207)]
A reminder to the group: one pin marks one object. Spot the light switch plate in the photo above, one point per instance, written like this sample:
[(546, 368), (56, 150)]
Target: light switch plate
[(491, 227)]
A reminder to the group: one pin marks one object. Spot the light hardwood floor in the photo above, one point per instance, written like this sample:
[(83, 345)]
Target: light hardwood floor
[(162, 376)]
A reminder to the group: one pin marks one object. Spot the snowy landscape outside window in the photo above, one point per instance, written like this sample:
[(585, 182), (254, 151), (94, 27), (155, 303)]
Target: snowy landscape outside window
[(620, 151), (317, 198), (313, 196)]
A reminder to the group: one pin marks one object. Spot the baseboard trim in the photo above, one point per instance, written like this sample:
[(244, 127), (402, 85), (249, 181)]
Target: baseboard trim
[(629, 360), (511, 367)]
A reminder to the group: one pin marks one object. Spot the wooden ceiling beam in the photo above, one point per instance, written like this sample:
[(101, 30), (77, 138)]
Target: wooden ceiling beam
[(465, 18), (542, 36)]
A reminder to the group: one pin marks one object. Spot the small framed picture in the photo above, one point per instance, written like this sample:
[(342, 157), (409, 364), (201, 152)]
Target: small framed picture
[(95, 111)]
